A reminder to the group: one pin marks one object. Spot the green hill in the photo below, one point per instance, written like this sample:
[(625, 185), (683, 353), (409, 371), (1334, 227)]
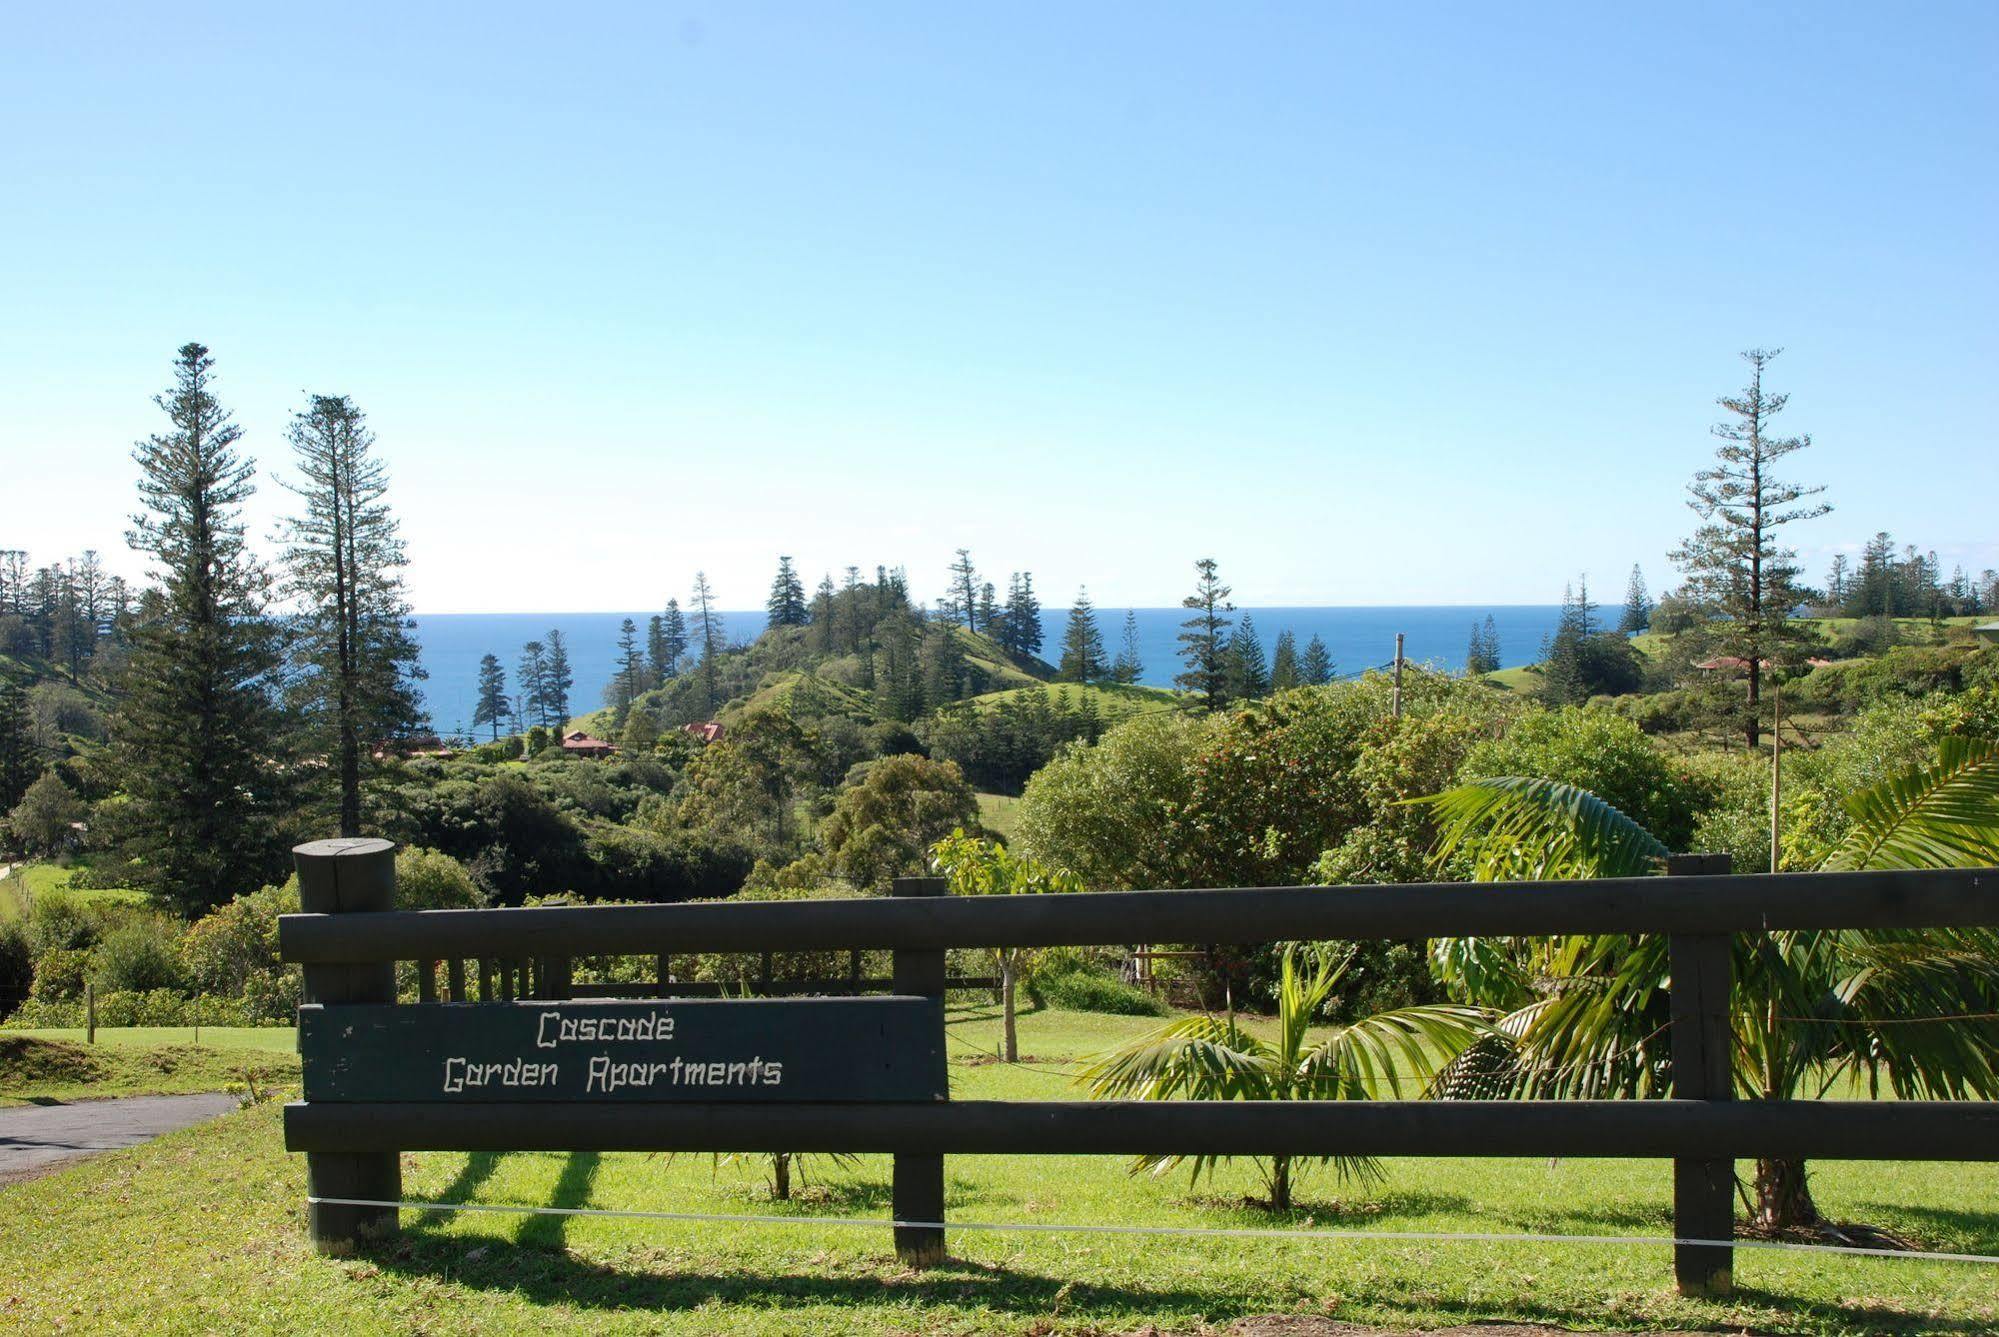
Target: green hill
[(1113, 701)]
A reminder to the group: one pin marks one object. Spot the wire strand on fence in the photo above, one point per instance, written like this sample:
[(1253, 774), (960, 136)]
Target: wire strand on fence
[(1207, 1232)]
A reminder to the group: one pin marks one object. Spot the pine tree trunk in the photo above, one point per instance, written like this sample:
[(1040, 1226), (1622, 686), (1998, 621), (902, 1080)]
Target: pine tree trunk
[(1008, 981), (1784, 1196), (780, 1181)]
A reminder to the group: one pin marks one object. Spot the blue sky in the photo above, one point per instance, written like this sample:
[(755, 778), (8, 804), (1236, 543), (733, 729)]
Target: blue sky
[(1376, 304)]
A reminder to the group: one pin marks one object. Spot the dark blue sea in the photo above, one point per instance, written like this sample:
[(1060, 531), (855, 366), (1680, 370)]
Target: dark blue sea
[(1358, 638)]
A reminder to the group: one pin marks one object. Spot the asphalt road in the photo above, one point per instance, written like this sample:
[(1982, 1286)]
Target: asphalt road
[(36, 1139)]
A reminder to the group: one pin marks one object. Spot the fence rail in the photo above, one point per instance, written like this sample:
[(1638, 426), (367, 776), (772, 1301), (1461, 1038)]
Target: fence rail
[(350, 935), (1728, 903)]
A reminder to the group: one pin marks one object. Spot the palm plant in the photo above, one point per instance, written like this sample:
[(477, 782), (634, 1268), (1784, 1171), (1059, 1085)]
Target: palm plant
[(1587, 1014), (1217, 1058)]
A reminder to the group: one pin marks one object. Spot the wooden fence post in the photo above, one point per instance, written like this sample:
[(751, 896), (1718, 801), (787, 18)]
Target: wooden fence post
[(917, 1192), (342, 877), (90, 1014), (1703, 1069)]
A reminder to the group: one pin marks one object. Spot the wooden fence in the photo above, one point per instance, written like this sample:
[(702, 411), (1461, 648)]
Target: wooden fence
[(379, 1078)]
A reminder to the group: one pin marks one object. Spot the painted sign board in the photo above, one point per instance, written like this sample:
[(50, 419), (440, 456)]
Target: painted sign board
[(821, 1049)]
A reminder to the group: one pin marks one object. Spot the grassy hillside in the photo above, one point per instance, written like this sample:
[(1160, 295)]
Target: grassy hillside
[(1114, 701), (37, 1067)]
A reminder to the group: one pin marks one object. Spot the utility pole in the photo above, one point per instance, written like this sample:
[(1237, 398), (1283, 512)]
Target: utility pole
[(1398, 675)]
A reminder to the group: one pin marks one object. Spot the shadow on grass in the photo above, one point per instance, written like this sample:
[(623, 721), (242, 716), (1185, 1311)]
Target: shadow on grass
[(1979, 1226), (572, 1189), (478, 1168)]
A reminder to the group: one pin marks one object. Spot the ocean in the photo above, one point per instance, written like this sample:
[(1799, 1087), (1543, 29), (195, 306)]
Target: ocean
[(1357, 637)]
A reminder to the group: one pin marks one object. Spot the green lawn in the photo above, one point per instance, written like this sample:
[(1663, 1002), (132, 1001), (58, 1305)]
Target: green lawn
[(999, 813), (30, 880), (214, 1218)]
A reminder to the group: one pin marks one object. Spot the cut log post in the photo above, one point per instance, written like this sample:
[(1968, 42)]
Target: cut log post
[(349, 877)]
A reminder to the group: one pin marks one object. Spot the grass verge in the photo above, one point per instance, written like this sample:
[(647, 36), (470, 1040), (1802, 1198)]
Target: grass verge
[(35, 1070)]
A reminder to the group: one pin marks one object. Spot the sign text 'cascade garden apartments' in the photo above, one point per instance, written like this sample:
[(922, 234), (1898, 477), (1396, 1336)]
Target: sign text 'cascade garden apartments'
[(821, 1049)]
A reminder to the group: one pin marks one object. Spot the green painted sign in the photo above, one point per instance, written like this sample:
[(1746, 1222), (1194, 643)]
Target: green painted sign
[(860, 1049)]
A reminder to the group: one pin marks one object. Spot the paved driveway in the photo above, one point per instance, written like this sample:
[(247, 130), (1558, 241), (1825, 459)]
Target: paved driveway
[(35, 1139)]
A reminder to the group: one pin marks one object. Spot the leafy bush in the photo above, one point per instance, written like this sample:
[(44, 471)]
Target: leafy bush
[(1089, 991), (139, 956), (225, 947), (57, 922), (60, 973), (1600, 751), (1907, 671), (430, 880), (153, 1007)]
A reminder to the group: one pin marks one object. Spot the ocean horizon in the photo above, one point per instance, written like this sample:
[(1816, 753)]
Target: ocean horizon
[(1358, 637)]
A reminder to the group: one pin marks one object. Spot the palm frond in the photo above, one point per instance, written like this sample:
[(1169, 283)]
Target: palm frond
[(1517, 828), (1378, 1055), (1939, 814)]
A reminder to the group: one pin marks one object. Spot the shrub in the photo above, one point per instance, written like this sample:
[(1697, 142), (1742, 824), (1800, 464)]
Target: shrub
[(429, 880), (222, 949), (1089, 991), (56, 921), (139, 956), (154, 1007), (1602, 752), (59, 974)]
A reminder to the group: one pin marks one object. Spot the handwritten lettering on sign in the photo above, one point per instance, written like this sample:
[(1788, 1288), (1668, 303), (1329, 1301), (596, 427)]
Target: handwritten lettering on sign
[(762, 1049)]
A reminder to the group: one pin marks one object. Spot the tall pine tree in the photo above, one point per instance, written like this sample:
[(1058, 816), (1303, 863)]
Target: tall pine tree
[(1315, 666), (1248, 671), (672, 638), (533, 677), (630, 678), (490, 703), (20, 759), (1284, 662), (558, 681), (1637, 614), (1734, 565), (961, 605), (353, 648), (1204, 646), (1128, 667), (1082, 643), (708, 629), (197, 743), (1022, 617), (786, 605)]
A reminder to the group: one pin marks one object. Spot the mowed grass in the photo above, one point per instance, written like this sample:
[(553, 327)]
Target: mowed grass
[(1000, 814), (19, 888), (204, 1231)]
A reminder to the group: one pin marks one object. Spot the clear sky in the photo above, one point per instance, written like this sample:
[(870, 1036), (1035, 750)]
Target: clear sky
[(1375, 303)]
